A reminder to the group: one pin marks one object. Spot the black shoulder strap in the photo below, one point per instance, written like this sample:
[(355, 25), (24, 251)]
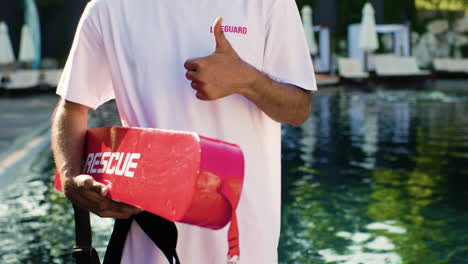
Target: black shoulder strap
[(162, 232), (117, 241), (84, 253)]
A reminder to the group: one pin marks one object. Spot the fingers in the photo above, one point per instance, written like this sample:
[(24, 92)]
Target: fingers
[(191, 65), (109, 208), (94, 186), (191, 75), (89, 194), (200, 93), (105, 207), (83, 183), (196, 86), (120, 210), (193, 70), (222, 44), (202, 96)]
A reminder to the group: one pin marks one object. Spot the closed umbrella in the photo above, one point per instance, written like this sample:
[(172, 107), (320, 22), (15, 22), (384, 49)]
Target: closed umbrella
[(309, 29), (27, 50), (31, 18), (368, 38), (6, 50)]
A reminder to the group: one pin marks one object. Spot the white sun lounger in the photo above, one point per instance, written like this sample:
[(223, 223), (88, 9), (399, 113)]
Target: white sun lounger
[(23, 79), (396, 66), (451, 65), (351, 69), (51, 77)]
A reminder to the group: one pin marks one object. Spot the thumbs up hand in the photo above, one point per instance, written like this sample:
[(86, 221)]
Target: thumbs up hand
[(220, 74)]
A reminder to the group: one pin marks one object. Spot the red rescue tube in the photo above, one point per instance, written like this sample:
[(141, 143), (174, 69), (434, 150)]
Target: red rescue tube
[(177, 175)]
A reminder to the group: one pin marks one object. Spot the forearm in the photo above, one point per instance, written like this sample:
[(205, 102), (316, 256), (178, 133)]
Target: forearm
[(283, 102), (69, 124)]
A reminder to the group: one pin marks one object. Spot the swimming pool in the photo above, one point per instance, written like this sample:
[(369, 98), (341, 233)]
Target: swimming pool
[(378, 178), (375, 177)]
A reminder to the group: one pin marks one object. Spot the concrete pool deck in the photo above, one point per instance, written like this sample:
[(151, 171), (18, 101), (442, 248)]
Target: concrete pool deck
[(20, 116), (24, 130)]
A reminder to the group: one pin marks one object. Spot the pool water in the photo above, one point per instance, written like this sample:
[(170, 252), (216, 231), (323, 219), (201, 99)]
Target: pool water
[(375, 177), (378, 178)]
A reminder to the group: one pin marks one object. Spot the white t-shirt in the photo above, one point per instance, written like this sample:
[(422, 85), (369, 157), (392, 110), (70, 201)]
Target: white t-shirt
[(134, 51)]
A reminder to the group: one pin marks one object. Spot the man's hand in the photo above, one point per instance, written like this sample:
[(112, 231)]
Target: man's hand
[(220, 74), (86, 193)]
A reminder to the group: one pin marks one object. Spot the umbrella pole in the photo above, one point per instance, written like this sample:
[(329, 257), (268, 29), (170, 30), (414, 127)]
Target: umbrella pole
[(5, 76), (366, 61)]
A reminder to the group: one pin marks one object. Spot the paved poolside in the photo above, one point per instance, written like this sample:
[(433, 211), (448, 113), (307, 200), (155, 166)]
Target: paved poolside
[(20, 116)]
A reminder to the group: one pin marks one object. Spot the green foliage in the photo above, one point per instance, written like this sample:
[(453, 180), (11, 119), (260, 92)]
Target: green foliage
[(464, 51), (348, 12), (399, 11), (396, 12), (443, 4)]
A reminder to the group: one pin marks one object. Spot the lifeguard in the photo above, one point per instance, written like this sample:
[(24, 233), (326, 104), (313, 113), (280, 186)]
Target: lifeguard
[(165, 70)]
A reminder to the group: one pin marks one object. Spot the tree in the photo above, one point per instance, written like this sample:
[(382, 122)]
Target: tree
[(400, 11), (443, 4)]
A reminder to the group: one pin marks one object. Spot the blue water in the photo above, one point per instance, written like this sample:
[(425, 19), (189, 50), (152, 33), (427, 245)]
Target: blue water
[(375, 177), (378, 177)]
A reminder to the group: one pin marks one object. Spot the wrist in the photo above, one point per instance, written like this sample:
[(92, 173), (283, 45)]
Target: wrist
[(67, 172), (253, 80)]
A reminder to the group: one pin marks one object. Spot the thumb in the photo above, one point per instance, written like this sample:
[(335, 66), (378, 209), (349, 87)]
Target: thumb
[(222, 44)]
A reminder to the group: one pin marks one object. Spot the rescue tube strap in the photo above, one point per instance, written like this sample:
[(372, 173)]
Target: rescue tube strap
[(83, 252), (83, 235), (85, 255), (232, 192), (117, 241), (162, 232)]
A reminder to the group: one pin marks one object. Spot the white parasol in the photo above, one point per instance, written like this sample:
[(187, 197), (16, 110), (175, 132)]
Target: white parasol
[(27, 50), (309, 29), (368, 38), (31, 18), (6, 50)]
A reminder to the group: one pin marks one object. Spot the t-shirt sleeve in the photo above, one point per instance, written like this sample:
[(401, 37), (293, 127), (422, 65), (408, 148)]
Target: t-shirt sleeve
[(86, 78), (287, 57)]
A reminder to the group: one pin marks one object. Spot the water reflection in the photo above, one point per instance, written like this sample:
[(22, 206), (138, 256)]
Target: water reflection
[(370, 178), (378, 178), (31, 229), (36, 222)]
